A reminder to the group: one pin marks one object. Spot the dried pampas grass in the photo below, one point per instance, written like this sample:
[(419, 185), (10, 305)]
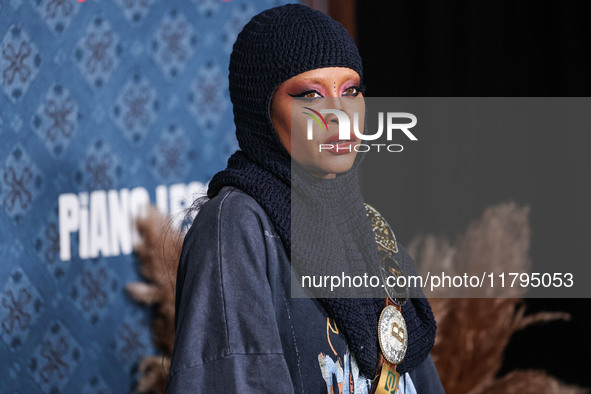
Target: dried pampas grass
[(528, 382), (472, 333), (159, 252)]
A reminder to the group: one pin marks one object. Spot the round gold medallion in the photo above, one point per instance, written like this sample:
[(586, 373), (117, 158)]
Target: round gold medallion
[(392, 334)]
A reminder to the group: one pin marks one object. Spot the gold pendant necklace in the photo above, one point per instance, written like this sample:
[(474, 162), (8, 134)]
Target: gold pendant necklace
[(392, 333)]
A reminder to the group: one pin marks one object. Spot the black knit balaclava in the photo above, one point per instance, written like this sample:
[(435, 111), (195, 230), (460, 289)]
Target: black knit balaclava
[(274, 46)]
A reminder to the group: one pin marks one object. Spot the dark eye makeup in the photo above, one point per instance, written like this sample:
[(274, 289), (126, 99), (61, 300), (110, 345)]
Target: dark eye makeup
[(351, 91), (356, 90), (306, 93)]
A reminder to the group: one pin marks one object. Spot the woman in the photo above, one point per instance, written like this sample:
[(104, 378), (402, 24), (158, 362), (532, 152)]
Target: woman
[(238, 329)]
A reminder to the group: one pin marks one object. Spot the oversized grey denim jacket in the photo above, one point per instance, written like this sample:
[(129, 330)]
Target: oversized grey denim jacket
[(237, 327)]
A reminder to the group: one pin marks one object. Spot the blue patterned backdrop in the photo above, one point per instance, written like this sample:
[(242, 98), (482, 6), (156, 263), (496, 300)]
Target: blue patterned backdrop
[(105, 105)]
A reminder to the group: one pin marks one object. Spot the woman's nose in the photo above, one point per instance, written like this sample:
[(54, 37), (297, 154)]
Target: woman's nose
[(331, 118), (332, 92), (334, 102)]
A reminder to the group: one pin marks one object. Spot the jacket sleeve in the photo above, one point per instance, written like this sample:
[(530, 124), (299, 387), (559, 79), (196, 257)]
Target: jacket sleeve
[(426, 379), (227, 339)]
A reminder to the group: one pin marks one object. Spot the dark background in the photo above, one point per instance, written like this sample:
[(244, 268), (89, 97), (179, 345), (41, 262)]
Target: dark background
[(474, 49)]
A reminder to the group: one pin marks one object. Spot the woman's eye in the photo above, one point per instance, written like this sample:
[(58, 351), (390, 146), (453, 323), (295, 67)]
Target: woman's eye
[(312, 94), (352, 91), (308, 94)]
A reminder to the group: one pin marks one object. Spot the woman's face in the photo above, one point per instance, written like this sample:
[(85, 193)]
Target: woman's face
[(326, 154)]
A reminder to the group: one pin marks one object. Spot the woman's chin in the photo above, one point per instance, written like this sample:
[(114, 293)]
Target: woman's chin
[(332, 168)]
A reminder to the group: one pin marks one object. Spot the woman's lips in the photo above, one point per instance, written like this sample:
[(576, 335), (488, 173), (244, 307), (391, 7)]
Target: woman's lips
[(335, 138), (339, 146)]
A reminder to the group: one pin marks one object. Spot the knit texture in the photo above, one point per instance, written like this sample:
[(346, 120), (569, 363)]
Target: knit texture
[(274, 46)]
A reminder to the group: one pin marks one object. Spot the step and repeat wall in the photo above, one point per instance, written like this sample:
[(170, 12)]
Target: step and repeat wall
[(106, 106)]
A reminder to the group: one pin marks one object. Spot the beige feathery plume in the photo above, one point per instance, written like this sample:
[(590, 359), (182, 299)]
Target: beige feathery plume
[(158, 252), (472, 333)]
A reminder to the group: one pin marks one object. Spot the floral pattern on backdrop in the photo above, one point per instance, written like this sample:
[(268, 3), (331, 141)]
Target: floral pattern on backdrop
[(105, 102)]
